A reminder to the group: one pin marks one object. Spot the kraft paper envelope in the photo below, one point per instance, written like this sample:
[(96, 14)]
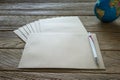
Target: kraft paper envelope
[(22, 30), (26, 29), (37, 26), (62, 24), (30, 28), (33, 25), (20, 34), (60, 50), (58, 24)]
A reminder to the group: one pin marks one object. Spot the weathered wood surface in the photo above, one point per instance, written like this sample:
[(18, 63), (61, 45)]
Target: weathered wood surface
[(47, 12), (16, 13), (10, 59), (47, 8), (44, 1), (91, 23), (56, 76)]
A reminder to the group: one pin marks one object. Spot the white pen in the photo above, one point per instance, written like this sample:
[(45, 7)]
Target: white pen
[(93, 48)]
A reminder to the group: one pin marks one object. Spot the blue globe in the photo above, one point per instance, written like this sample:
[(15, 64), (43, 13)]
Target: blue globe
[(107, 10)]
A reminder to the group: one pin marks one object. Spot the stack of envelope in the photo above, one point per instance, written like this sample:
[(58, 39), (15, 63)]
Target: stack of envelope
[(59, 24), (60, 42)]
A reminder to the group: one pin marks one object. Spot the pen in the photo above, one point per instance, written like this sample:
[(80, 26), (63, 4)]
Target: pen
[(93, 47)]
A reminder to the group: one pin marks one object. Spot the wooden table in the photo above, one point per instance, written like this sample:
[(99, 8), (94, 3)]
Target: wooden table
[(16, 13)]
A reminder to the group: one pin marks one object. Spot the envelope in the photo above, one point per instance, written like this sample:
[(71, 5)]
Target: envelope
[(60, 50), (58, 24), (62, 24)]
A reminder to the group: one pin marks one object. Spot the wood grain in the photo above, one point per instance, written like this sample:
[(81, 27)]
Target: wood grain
[(9, 60), (56, 76), (47, 12), (48, 6), (91, 23), (44, 1)]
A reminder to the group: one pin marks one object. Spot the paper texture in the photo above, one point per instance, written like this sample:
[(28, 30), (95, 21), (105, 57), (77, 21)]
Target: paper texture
[(20, 34), (62, 24), (58, 24), (59, 50)]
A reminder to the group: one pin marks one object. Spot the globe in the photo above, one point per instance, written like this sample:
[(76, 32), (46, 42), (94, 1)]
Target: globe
[(107, 10)]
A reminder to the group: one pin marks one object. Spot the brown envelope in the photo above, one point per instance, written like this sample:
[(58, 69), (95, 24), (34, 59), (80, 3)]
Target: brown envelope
[(62, 24), (60, 50), (58, 24)]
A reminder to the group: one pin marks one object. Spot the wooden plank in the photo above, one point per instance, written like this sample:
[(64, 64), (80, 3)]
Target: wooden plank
[(48, 6), (44, 1), (56, 76), (9, 60), (91, 23), (107, 40), (48, 12), (7, 27)]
